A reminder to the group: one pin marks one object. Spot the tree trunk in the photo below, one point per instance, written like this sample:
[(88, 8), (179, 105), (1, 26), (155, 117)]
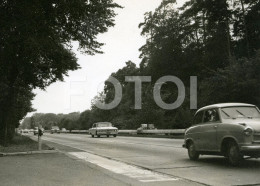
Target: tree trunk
[(204, 28), (245, 27), (228, 42), (6, 117)]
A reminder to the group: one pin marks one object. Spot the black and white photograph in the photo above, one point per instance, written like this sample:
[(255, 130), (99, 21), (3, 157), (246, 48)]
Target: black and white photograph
[(129, 92)]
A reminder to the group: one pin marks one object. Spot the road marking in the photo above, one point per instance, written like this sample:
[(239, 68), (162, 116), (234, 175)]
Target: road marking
[(131, 171)]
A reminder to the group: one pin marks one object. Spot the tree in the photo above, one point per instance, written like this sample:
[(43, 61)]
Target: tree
[(237, 83), (36, 42), (85, 120), (204, 38)]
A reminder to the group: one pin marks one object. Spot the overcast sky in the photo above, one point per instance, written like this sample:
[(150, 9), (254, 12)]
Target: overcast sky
[(121, 44)]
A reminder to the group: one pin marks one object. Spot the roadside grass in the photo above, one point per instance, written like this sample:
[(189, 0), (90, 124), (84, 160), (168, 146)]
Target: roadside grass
[(22, 144)]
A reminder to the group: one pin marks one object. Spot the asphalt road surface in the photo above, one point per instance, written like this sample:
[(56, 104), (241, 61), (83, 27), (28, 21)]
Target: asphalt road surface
[(156, 161)]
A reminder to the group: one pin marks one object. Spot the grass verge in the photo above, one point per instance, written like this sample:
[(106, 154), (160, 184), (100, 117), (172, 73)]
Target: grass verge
[(22, 144)]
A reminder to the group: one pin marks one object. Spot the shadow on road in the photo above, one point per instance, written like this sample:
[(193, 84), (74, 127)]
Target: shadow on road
[(223, 162)]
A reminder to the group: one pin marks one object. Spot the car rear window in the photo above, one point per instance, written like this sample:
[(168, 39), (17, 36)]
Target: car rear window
[(104, 124)]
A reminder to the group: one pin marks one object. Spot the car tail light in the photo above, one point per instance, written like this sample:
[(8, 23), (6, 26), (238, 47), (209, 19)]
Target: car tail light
[(248, 131)]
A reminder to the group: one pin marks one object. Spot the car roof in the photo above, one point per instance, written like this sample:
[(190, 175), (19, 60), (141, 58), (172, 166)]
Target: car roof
[(220, 105)]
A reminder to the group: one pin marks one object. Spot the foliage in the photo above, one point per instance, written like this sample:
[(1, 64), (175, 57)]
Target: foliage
[(215, 40), (36, 46)]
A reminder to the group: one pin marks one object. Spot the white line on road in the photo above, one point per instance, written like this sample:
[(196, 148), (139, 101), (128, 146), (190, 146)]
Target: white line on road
[(140, 174)]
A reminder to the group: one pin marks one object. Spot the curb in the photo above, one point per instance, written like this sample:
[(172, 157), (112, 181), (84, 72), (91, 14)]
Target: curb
[(28, 153)]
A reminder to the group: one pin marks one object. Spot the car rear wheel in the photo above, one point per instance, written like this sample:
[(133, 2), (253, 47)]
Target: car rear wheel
[(114, 135), (108, 136), (234, 155), (193, 154), (92, 135)]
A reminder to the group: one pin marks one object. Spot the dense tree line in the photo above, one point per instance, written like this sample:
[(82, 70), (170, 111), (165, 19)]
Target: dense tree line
[(68, 121), (36, 49), (217, 41)]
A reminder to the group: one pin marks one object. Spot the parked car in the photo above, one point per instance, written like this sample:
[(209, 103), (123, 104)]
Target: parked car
[(228, 129), (55, 129), (103, 128)]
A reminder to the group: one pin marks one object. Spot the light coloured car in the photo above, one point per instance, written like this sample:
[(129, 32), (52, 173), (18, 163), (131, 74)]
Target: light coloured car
[(145, 127), (103, 128), (55, 129), (228, 129), (25, 131)]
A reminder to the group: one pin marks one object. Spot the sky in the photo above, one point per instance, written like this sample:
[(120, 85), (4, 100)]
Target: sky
[(122, 42)]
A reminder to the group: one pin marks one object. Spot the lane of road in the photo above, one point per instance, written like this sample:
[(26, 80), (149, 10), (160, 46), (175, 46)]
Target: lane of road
[(164, 156)]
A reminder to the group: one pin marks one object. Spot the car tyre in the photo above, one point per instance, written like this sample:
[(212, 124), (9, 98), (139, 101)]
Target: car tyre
[(193, 154), (114, 135), (234, 155), (92, 135), (108, 136)]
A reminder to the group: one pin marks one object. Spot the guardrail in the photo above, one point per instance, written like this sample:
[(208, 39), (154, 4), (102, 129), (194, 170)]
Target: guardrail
[(127, 132), (132, 132), (163, 131), (79, 131)]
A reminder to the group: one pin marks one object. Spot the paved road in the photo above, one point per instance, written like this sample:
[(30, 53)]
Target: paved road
[(163, 157), (54, 169)]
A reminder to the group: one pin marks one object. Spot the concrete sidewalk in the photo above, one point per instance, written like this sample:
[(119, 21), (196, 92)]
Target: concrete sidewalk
[(51, 169)]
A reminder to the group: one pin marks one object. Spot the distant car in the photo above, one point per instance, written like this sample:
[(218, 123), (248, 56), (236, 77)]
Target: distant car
[(103, 128), (228, 129), (25, 131), (36, 130), (145, 127), (55, 129)]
